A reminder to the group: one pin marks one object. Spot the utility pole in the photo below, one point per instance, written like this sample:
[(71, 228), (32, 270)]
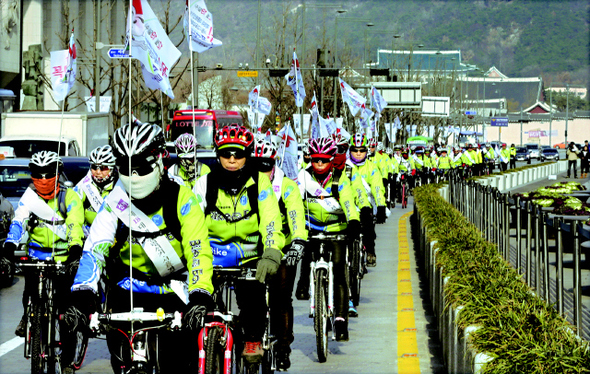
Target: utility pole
[(97, 64), (550, 112), (567, 109)]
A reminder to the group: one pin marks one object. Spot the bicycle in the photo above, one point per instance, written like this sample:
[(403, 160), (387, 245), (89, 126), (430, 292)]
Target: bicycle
[(143, 359), (218, 352), (322, 291), (357, 260), (404, 188), (43, 344)]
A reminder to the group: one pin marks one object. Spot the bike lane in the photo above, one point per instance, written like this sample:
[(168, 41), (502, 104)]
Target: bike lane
[(395, 331)]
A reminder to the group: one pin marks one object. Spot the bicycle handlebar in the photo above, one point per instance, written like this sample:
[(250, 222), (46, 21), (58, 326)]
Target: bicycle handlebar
[(136, 315), (244, 273), (324, 236)]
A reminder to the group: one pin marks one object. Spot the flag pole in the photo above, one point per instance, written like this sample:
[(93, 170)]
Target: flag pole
[(190, 37), (129, 146)]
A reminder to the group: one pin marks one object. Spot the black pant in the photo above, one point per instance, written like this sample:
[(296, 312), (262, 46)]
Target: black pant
[(251, 300), (584, 166), (504, 166), (512, 162), (281, 305), (173, 346), (574, 164), (368, 230)]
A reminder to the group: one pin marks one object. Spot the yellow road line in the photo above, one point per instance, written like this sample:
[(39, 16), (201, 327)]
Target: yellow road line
[(407, 343)]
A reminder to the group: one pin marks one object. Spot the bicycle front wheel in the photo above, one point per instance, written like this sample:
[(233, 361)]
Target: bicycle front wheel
[(214, 351), (36, 336), (355, 272), (321, 314), (81, 347)]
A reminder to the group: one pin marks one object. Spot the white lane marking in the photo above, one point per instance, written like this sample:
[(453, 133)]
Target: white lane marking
[(10, 345)]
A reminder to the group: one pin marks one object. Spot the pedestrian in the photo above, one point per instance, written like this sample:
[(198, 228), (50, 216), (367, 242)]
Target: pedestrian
[(513, 156), (572, 159), (584, 162)]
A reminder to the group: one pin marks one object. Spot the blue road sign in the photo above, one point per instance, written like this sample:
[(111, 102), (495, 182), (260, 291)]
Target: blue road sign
[(499, 122), (118, 53), (470, 112)]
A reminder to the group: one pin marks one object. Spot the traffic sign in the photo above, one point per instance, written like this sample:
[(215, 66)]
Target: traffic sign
[(501, 121), (470, 112), (247, 73), (118, 53)]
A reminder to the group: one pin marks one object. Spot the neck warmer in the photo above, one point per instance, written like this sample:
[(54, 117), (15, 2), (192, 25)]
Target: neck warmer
[(46, 188), (339, 161), (358, 162), (231, 181)]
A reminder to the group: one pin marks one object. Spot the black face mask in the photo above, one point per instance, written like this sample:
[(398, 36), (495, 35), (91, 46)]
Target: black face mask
[(232, 181), (264, 165)]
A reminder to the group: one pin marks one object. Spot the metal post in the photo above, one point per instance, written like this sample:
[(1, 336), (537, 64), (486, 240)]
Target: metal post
[(550, 114), (519, 206), (559, 278), (577, 279), (546, 294), (528, 243), (537, 217), (567, 109), (97, 65)]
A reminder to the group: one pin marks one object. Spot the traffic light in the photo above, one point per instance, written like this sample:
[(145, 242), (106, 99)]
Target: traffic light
[(501, 104)]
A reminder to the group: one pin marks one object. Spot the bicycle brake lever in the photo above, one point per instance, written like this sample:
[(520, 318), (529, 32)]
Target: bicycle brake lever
[(177, 321), (94, 323)]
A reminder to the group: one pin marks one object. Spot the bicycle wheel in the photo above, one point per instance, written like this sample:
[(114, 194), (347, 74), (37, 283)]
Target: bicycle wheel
[(320, 320), (36, 340), (267, 362), (404, 196), (214, 351), (81, 348), (54, 349), (354, 272)]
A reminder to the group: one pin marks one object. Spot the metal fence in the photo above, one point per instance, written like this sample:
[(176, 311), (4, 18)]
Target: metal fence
[(533, 240)]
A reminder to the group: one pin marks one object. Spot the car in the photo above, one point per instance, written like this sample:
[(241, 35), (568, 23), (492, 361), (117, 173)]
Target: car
[(534, 150), (549, 154), (522, 154), (559, 145), (545, 147), (15, 176)]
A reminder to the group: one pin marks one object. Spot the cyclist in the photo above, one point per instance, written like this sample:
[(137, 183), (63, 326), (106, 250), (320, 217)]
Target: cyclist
[(469, 158), (372, 181), (244, 223), (97, 184), (329, 202), (52, 215), (504, 157), (188, 170), (169, 238), (512, 156), (306, 159), (406, 165), (489, 155), (444, 162), (6, 266), (458, 160), (293, 220)]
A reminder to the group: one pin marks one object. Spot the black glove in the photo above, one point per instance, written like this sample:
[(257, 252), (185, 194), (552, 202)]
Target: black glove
[(268, 264), (77, 315), (8, 251), (199, 304), (74, 253), (366, 214), (354, 229), (381, 215), (6, 272), (295, 252)]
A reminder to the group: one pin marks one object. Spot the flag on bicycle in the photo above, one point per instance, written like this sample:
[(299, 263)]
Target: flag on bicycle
[(377, 101), (198, 27), (288, 153), (351, 97), (295, 81), (63, 70), (147, 41)]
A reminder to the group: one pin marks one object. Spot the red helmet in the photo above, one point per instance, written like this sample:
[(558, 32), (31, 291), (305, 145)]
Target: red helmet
[(235, 136)]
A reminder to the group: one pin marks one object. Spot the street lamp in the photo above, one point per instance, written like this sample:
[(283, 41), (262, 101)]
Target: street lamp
[(567, 110)]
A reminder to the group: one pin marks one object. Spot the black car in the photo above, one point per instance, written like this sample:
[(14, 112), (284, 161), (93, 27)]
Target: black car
[(522, 154), (549, 154)]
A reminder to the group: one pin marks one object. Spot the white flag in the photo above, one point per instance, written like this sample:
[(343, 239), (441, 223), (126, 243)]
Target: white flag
[(198, 26), (366, 115), (377, 101), (63, 70), (288, 153), (151, 46), (295, 81), (351, 97), (253, 97), (263, 105)]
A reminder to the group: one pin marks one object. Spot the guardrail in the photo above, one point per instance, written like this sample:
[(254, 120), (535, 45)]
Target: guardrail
[(501, 217)]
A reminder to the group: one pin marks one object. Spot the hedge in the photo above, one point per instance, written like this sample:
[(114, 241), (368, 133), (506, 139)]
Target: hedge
[(517, 328)]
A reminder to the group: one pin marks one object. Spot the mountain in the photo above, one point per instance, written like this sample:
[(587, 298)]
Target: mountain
[(521, 38)]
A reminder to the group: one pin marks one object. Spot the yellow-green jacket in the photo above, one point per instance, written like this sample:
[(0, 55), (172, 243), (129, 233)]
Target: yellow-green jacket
[(361, 199), (293, 216), (370, 173)]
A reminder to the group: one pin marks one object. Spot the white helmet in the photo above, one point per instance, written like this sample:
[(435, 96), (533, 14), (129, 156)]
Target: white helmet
[(264, 149), (103, 156), (45, 162), (144, 144)]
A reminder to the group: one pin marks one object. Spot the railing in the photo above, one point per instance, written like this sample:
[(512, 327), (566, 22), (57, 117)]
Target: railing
[(529, 248)]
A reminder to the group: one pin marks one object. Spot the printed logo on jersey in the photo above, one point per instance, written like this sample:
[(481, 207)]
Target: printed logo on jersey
[(185, 209), (263, 195), (158, 220), (288, 191), (243, 200)]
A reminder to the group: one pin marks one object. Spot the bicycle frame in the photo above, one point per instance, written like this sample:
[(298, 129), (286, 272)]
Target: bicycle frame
[(101, 322)]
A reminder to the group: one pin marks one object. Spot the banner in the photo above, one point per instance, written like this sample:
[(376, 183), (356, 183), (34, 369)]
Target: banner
[(105, 103), (253, 97), (351, 97), (295, 81), (288, 153), (198, 27), (377, 101), (314, 112), (149, 44)]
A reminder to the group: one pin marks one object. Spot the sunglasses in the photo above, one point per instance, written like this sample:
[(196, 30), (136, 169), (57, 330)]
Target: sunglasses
[(320, 160), (140, 169), (342, 149), (100, 167), (43, 175), (228, 153), (361, 149)]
